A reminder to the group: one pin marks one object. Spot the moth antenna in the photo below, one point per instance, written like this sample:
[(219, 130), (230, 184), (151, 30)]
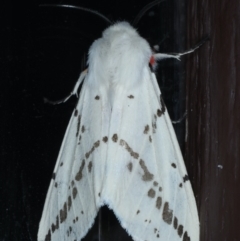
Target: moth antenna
[(74, 91), (79, 8), (144, 10), (83, 61)]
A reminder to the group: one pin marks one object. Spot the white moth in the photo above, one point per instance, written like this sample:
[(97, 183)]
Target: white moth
[(120, 150)]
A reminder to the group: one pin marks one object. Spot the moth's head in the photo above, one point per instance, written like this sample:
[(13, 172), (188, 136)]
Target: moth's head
[(123, 39), (121, 34), (120, 30)]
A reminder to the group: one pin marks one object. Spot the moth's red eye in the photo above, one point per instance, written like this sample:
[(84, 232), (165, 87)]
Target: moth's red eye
[(152, 60)]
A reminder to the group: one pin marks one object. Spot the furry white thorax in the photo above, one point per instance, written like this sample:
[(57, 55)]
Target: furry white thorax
[(120, 48)]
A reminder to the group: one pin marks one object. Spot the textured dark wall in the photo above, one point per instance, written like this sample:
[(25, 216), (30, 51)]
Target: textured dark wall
[(213, 104)]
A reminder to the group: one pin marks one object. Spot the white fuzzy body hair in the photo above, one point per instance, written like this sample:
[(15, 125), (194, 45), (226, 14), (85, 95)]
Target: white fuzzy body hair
[(120, 48)]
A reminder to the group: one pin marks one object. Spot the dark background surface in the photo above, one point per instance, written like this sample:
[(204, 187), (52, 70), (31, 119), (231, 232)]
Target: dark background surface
[(213, 97), (42, 55)]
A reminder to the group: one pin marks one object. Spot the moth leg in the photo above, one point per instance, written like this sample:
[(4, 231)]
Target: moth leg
[(160, 56), (74, 91), (180, 119)]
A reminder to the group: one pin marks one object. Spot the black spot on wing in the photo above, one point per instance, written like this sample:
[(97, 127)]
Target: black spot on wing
[(154, 124), (175, 223), (55, 226), (186, 237), (90, 166), (129, 149), (185, 178), (156, 231), (97, 97), (158, 202), (150, 138), (48, 236), (180, 185), (131, 97), (138, 211), (173, 165), (76, 112), (180, 230), (167, 214), (151, 193), (95, 145), (147, 176), (63, 213), (83, 129), (105, 139), (54, 176), (79, 139), (155, 183), (146, 129), (161, 111), (74, 192), (69, 231), (160, 189), (78, 125), (79, 175), (69, 202), (115, 138), (129, 166)]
